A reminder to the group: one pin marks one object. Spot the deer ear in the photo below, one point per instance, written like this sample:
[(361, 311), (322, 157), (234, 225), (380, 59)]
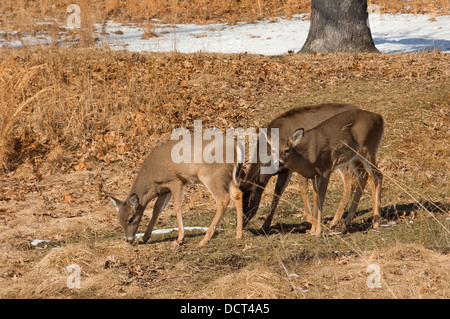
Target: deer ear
[(296, 137), (133, 201), (116, 202)]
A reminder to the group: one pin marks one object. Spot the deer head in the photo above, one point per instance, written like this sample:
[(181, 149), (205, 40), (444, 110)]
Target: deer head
[(130, 214)]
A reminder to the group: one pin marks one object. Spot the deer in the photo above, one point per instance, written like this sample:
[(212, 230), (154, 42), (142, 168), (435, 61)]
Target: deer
[(348, 139), (163, 176), (254, 182)]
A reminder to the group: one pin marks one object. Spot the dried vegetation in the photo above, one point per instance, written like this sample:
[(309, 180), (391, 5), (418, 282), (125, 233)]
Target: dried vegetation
[(75, 125)]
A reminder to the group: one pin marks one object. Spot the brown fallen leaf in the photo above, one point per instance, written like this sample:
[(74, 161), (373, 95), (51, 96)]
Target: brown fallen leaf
[(109, 138), (81, 167), (67, 198)]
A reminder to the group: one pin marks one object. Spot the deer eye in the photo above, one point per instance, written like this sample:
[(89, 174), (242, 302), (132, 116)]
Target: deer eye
[(130, 221)]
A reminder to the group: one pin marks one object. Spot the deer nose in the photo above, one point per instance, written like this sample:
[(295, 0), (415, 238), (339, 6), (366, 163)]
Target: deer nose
[(130, 239)]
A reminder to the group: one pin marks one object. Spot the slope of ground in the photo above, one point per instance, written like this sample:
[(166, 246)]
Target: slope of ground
[(76, 125)]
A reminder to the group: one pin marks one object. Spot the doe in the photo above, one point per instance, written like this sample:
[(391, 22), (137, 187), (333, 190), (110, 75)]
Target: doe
[(162, 177), (348, 139)]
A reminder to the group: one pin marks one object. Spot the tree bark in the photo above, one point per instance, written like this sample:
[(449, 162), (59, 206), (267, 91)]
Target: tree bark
[(339, 26)]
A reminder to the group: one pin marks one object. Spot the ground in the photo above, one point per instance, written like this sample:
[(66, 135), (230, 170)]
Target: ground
[(89, 117)]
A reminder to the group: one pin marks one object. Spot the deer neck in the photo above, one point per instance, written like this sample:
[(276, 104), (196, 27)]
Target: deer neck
[(144, 187)]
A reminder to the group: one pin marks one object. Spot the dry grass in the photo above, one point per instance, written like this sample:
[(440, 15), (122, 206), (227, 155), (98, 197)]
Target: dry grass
[(79, 123), (254, 282), (406, 270), (23, 15)]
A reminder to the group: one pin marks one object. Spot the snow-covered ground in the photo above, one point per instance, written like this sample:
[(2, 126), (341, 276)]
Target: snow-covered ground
[(391, 33)]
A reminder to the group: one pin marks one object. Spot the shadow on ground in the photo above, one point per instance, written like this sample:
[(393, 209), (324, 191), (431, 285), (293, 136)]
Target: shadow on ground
[(391, 213)]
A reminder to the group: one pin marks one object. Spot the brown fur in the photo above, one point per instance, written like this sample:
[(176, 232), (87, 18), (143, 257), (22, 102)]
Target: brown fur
[(161, 177)]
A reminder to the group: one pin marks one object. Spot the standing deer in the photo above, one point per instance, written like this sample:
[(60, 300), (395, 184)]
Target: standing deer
[(346, 140), (162, 177), (254, 182)]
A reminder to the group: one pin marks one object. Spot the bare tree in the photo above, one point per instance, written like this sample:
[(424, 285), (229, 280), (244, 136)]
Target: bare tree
[(339, 26)]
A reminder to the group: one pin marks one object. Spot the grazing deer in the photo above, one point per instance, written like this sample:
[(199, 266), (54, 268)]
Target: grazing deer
[(346, 140), (162, 177), (254, 183)]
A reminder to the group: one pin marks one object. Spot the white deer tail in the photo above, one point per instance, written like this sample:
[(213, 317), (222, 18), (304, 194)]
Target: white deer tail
[(240, 151)]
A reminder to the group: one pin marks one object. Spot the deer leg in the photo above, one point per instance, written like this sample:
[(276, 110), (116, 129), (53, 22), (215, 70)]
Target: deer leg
[(303, 183), (376, 179), (161, 202), (177, 193), (314, 200), (222, 199), (236, 196), (362, 180), (222, 203), (314, 212), (315, 184), (347, 177), (377, 200), (322, 185), (282, 181)]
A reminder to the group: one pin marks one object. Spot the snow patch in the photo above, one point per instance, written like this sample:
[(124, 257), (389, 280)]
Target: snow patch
[(392, 33), (168, 230)]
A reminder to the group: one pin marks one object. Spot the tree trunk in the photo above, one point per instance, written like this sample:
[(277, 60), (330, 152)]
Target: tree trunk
[(339, 26)]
